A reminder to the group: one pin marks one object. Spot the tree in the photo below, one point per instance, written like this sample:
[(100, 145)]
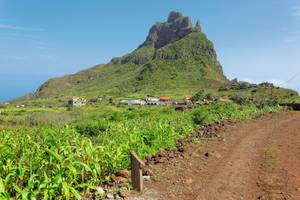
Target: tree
[(199, 96)]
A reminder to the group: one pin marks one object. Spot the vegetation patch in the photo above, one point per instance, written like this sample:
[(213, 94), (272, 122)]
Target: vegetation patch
[(66, 162)]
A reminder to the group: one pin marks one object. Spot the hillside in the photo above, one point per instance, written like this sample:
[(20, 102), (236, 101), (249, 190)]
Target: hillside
[(175, 59)]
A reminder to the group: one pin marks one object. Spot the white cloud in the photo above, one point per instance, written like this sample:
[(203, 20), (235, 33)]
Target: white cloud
[(19, 28)]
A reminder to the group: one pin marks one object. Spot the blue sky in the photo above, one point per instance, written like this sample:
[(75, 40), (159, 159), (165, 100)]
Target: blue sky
[(255, 40)]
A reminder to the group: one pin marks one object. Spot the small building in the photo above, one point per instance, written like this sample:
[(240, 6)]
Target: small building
[(77, 102), (152, 101), (165, 101), (188, 98), (184, 102), (133, 102), (20, 106), (181, 103)]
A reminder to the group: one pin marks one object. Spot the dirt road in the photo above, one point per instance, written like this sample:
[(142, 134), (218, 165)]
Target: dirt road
[(256, 159)]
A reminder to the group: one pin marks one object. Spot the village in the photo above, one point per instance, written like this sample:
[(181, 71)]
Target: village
[(149, 101), (188, 100)]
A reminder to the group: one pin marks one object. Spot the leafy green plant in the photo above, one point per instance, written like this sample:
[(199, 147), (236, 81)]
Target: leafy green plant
[(198, 118), (92, 128), (240, 99), (199, 96)]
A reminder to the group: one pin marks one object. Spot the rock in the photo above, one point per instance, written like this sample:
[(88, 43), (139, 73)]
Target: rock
[(147, 172), (181, 149), (119, 198), (124, 192), (189, 181), (124, 173), (147, 178), (173, 15), (101, 191), (198, 26), (162, 153), (148, 158), (216, 154), (172, 196), (110, 196), (118, 179), (175, 28)]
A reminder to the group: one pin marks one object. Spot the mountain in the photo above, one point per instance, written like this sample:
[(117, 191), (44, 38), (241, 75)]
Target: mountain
[(175, 59)]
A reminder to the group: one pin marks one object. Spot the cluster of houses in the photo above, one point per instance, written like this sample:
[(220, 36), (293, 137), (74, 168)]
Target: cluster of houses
[(80, 101), (157, 101), (148, 101)]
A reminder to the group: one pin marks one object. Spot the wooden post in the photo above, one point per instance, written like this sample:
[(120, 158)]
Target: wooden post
[(136, 172)]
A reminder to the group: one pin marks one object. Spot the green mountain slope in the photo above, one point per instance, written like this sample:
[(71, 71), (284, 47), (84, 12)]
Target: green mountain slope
[(175, 59)]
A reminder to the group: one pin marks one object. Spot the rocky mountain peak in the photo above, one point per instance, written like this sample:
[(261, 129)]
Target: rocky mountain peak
[(173, 15), (176, 27)]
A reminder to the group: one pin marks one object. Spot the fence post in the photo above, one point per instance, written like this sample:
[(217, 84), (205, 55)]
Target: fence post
[(136, 172)]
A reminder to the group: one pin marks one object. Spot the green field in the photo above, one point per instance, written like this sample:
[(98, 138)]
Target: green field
[(52, 153)]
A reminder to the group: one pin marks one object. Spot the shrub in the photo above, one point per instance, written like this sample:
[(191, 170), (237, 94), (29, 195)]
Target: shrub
[(92, 128), (240, 100), (199, 96), (223, 88), (209, 96), (198, 118), (265, 103), (116, 116)]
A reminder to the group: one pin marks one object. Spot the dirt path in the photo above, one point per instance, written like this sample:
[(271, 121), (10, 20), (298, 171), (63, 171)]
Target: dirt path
[(257, 159)]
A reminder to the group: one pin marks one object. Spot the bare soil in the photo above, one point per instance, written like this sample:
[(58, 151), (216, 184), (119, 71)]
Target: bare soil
[(255, 159)]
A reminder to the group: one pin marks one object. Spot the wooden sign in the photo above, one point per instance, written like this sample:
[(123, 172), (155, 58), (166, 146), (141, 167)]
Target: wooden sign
[(136, 172)]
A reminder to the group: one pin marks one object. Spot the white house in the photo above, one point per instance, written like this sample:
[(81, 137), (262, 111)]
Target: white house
[(77, 101), (133, 102)]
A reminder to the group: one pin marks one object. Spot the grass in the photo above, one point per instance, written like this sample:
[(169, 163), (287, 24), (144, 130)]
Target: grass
[(64, 162), (270, 157)]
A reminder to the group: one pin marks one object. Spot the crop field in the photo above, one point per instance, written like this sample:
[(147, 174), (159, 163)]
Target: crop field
[(72, 154)]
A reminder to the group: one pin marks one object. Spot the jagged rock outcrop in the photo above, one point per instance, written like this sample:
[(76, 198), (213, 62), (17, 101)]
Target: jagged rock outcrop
[(198, 26), (175, 28)]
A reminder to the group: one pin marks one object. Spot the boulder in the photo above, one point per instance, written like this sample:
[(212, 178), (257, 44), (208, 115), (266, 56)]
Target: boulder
[(124, 173)]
